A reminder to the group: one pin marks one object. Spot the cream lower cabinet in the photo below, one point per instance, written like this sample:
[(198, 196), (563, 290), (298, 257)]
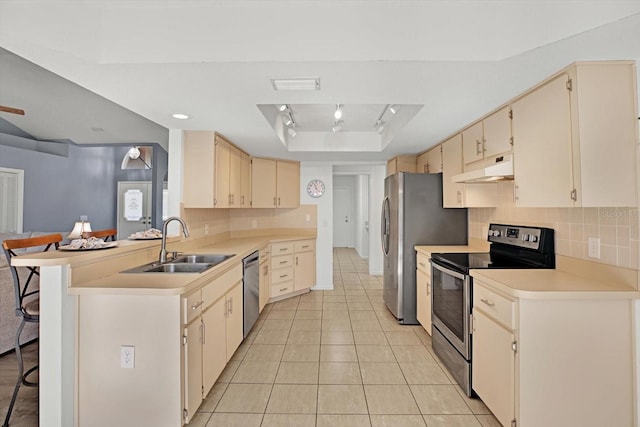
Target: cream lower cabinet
[(264, 278), (213, 331), (293, 267), (563, 360), (423, 291)]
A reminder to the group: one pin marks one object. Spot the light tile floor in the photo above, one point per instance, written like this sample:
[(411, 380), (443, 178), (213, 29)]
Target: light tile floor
[(323, 359), (338, 358)]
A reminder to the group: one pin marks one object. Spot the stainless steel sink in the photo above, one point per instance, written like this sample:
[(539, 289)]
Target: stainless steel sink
[(196, 263), (173, 267), (206, 258)]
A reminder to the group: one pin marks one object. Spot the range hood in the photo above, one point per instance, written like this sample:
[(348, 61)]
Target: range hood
[(501, 170)]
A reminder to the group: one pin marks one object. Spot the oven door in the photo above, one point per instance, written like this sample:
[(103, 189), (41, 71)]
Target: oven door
[(451, 306)]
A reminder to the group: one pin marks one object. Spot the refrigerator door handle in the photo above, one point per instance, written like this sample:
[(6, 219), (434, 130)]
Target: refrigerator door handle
[(384, 224)]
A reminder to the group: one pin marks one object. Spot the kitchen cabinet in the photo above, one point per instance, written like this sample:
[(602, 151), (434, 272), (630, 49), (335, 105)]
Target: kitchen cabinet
[(293, 267), (274, 183), (430, 161), (213, 331), (304, 271), (493, 341), (213, 171), (537, 360), (488, 137), (245, 180), (459, 195), (264, 278), (404, 163), (423, 291), (575, 138)]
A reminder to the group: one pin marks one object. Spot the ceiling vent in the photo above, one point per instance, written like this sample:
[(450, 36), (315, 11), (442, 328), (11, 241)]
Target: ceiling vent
[(303, 83)]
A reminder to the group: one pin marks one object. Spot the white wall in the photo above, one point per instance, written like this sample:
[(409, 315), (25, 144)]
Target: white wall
[(362, 203), (175, 173), (324, 242)]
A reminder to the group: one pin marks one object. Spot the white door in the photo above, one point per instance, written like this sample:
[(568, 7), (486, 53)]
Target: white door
[(11, 200), (134, 207), (342, 217)]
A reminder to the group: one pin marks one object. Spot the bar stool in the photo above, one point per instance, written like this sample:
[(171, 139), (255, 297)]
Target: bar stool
[(109, 233), (26, 307)]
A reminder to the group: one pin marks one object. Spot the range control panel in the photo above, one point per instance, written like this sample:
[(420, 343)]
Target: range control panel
[(515, 235)]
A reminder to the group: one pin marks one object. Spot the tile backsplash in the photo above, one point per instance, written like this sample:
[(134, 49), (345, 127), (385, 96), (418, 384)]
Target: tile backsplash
[(617, 228), (203, 222)]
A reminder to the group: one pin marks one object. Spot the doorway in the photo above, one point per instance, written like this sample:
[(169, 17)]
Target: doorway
[(342, 199), (11, 200), (134, 207)]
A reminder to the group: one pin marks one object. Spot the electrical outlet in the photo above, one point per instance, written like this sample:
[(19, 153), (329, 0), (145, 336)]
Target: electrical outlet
[(84, 218), (206, 229), (307, 218), (127, 356), (594, 247), (485, 231), (254, 223)]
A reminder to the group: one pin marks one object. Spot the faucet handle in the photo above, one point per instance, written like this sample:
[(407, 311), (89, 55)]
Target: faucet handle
[(175, 254)]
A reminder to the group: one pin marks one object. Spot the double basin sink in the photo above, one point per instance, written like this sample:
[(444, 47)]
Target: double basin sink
[(183, 264)]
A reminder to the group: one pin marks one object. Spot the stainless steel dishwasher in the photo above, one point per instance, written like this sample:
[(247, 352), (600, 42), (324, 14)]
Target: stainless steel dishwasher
[(251, 291)]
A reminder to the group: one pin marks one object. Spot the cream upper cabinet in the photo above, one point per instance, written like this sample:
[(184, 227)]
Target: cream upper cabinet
[(457, 195), (245, 180), (488, 138), (213, 171), (288, 184), (274, 183), (430, 161), (575, 138), (404, 163)]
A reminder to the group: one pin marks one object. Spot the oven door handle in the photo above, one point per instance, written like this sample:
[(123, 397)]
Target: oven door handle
[(448, 271)]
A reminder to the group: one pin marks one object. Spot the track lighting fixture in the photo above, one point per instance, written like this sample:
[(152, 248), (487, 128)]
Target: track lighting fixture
[(292, 131), (394, 108), (338, 114), (337, 126), (286, 119), (283, 107), (379, 126)]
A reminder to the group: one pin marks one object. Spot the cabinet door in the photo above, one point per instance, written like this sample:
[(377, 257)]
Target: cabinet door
[(223, 153), (193, 367), (422, 163), (304, 270), (542, 146), (245, 180), (392, 166), (472, 143), (452, 193), (214, 349), (263, 183), (288, 184), (235, 179), (198, 154), (235, 319), (435, 160), (423, 300), (493, 373), (497, 133)]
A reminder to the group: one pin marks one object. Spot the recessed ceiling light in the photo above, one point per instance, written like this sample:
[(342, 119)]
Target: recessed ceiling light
[(304, 83), (180, 116)]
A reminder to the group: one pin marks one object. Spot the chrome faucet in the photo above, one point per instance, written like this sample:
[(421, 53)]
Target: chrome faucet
[(185, 230)]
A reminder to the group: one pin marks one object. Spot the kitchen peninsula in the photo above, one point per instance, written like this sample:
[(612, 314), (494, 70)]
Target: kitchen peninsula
[(90, 309)]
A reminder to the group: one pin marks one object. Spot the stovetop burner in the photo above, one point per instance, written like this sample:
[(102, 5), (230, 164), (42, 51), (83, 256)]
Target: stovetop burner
[(511, 247)]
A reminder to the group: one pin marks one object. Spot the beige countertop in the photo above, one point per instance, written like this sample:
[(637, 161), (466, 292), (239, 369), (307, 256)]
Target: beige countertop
[(475, 245), (102, 268), (552, 284)]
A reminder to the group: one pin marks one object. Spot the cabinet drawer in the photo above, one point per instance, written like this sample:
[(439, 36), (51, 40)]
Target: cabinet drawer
[(304, 245), (281, 248), (221, 285), (495, 305), (422, 264), (192, 306), (281, 261), (281, 289), (281, 275)]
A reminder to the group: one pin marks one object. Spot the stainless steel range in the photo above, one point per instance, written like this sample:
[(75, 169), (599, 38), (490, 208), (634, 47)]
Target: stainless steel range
[(512, 246)]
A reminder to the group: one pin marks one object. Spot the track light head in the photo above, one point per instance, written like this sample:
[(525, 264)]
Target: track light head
[(292, 131), (283, 107), (394, 108), (338, 114)]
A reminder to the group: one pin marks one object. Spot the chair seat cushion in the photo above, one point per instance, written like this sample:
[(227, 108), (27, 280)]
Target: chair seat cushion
[(32, 308)]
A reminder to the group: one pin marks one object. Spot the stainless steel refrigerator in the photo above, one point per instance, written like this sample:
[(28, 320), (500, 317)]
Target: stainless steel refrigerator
[(412, 214)]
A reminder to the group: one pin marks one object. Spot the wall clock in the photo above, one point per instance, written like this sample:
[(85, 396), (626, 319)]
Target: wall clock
[(315, 188)]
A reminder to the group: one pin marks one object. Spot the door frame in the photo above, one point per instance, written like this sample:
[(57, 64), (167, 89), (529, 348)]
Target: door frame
[(350, 237), (19, 201)]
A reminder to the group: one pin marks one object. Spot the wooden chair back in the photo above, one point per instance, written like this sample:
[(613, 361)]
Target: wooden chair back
[(10, 246)]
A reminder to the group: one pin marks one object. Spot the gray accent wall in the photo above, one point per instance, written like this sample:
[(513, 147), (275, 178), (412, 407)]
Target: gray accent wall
[(57, 190)]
